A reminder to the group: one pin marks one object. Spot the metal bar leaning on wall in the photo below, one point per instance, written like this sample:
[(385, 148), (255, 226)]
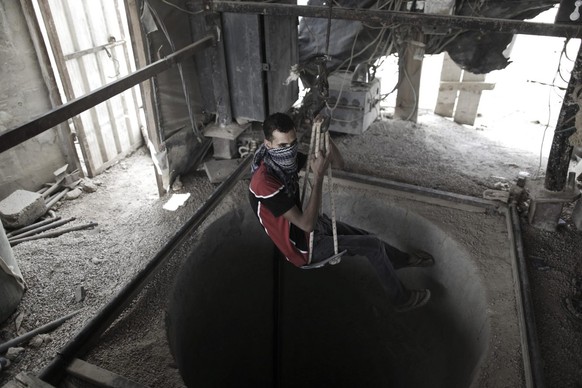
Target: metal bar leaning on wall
[(84, 339), (408, 18), (27, 131)]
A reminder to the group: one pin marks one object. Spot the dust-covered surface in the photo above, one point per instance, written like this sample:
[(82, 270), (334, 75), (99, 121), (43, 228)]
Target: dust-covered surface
[(435, 153)]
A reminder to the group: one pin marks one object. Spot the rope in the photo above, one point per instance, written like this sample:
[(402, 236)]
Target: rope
[(317, 144)]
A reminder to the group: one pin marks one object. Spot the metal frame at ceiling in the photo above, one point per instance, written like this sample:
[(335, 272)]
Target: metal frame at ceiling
[(413, 19), (557, 168)]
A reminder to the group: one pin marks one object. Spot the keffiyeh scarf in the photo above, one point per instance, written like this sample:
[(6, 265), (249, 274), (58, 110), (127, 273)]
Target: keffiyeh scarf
[(282, 162)]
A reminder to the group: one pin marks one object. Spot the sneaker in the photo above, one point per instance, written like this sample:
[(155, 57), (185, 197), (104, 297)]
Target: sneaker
[(420, 258), (418, 298)]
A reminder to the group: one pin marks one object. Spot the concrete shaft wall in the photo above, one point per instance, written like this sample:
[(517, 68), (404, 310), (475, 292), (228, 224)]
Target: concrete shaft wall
[(239, 315), (23, 96)]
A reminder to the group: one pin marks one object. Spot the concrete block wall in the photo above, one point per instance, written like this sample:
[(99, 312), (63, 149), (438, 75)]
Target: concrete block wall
[(23, 96)]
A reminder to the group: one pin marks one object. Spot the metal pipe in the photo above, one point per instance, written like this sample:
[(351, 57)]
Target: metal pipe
[(15, 136), (398, 17), (54, 223), (32, 226), (55, 233), (408, 188), (533, 349), (54, 372), (561, 150), (57, 198), (39, 330)]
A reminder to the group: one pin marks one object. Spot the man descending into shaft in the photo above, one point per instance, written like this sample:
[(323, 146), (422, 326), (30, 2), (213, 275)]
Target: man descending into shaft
[(274, 197)]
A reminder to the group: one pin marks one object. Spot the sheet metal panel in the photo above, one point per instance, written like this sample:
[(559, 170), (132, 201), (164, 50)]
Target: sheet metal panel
[(281, 54), (243, 39)]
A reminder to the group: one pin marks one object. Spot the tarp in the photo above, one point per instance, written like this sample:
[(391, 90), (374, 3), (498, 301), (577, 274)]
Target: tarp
[(11, 281), (352, 42)]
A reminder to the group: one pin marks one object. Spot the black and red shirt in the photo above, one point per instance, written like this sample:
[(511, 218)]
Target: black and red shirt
[(270, 201)]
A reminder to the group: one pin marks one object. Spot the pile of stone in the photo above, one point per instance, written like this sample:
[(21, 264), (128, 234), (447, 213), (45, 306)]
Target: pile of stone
[(28, 215)]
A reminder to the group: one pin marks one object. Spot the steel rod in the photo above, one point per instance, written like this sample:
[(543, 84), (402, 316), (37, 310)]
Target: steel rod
[(32, 226), (54, 372), (398, 17), (41, 228), (408, 188), (15, 136), (533, 348), (55, 233)]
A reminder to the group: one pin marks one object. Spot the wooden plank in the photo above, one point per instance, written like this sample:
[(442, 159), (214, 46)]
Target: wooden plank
[(467, 86), (84, 78), (150, 132), (468, 101), (99, 376), (55, 44), (132, 106), (446, 99), (227, 132), (50, 81), (26, 380), (409, 86), (105, 112)]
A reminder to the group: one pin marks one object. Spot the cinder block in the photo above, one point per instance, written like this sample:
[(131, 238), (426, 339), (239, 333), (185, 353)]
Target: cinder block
[(21, 208)]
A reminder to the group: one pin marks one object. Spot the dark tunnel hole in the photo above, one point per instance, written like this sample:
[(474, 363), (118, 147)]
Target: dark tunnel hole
[(242, 316)]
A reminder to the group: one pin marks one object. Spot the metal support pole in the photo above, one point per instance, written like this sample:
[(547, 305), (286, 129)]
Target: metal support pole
[(27, 131), (413, 19), (561, 151)]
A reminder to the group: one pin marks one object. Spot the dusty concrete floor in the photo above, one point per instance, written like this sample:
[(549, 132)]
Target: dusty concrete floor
[(435, 153)]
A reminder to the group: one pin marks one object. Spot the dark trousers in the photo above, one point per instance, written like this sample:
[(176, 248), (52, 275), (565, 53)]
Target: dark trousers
[(384, 258)]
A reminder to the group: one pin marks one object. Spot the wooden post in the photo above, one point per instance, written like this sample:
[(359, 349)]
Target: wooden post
[(468, 101), (151, 133), (460, 92), (447, 97), (410, 68)]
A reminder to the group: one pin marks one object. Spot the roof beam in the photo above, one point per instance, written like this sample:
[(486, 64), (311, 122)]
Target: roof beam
[(20, 134), (416, 19)]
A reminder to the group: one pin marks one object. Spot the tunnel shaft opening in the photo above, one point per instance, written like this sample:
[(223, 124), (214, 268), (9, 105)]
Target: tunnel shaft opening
[(241, 315)]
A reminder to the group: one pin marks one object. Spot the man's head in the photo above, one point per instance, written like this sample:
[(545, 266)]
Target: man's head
[(279, 131)]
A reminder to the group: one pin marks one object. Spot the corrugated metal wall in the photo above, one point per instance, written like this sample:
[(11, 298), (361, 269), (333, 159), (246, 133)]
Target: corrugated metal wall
[(91, 47)]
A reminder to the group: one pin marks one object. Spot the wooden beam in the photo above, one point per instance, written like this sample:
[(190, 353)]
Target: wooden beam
[(20, 134), (467, 86), (50, 81), (151, 131), (99, 376), (450, 73), (468, 101), (410, 69), (27, 380), (413, 19)]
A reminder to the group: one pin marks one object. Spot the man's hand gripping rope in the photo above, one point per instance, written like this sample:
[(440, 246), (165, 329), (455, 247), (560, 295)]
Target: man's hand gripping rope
[(318, 160)]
